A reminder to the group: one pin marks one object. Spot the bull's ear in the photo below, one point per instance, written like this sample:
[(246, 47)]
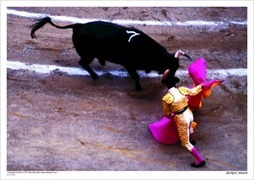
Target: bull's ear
[(164, 76)]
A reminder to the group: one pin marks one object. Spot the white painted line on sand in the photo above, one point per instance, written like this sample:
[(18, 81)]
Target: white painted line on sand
[(127, 21), (75, 71)]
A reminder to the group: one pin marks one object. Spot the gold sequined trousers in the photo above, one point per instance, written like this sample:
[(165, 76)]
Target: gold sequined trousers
[(183, 122)]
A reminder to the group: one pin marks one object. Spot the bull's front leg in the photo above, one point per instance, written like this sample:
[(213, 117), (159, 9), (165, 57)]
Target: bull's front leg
[(133, 73)]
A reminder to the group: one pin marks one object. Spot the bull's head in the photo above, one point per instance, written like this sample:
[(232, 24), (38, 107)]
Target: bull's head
[(168, 77), (169, 80)]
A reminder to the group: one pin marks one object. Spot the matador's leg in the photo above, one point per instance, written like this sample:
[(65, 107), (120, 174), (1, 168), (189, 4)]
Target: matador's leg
[(199, 159), (192, 125), (183, 129)]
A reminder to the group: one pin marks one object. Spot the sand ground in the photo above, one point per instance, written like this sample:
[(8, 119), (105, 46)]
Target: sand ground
[(59, 122)]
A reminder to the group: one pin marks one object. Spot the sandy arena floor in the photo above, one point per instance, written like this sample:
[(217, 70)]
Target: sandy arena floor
[(59, 122)]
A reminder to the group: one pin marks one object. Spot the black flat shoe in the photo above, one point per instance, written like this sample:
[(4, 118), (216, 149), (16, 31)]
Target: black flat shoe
[(198, 165)]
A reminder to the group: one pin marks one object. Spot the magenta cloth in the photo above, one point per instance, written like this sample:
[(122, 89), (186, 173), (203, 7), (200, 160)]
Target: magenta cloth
[(164, 131), (197, 71)]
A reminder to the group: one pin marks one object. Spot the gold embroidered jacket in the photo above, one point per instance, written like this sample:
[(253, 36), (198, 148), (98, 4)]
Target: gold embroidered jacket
[(170, 104)]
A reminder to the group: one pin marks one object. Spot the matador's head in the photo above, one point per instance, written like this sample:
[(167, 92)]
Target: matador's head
[(169, 80)]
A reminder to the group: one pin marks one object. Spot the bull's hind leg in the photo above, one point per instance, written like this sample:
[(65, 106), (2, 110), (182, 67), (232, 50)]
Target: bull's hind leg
[(102, 62), (133, 73), (85, 64)]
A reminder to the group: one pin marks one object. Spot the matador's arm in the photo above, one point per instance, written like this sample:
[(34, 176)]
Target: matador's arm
[(192, 92), (166, 100), (166, 109)]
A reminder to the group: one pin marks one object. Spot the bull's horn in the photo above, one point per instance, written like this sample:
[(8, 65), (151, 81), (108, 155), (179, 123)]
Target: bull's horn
[(180, 52), (188, 57)]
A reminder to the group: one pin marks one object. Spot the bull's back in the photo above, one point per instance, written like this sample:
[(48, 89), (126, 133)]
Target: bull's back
[(118, 44), (103, 38), (99, 32)]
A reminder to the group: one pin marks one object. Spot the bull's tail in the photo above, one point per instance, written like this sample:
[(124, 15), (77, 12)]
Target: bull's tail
[(43, 21)]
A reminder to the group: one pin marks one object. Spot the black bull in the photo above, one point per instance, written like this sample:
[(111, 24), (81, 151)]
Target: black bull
[(129, 47)]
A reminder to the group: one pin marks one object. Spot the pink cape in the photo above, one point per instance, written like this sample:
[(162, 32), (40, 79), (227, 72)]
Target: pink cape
[(164, 130), (197, 71)]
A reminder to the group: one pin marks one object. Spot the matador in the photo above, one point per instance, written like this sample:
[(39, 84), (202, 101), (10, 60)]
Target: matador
[(175, 106), (178, 104)]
